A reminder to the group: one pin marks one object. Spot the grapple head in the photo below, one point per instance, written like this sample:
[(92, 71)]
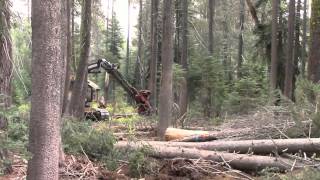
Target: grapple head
[(142, 100)]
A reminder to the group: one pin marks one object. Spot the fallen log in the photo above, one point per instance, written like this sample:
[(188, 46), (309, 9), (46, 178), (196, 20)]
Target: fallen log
[(183, 135), (133, 134), (174, 133), (250, 146), (236, 161)]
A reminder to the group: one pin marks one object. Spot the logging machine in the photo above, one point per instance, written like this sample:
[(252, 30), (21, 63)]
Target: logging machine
[(141, 97)]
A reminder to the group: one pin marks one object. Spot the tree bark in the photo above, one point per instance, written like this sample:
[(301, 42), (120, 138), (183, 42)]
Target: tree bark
[(80, 84), (253, 13), (314, 55), (226, 53), (73, 39), (165, 96), (211, 12), (183, 98), (290, 46), (296, 49), (304, 39), (152, 83), (47, 72), (265, 146), (138, 74), (208, 97), (6, 65), (274, 45), (240, 46), (68, 49), (177, 33), (236, 161), (128, 43)]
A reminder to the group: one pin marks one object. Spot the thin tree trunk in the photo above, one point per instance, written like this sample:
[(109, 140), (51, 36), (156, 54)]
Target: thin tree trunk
[(167, 71), (65, 57), (297, 49), (177, 44), (152, 83), (106, 79), (74, 62), (68, 58), (139, 65), (290, 45), (211, 12), (184, 59), (80, 84), (281, 52), (47, 72), (225, 53), (6, 65), (240, 47), (274, 45), (314, 55), (208, 97), (253, 13), (304, 39), (128, 43)]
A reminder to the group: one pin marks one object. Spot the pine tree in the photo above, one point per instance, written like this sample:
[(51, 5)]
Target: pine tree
[(5, 59), (47, 90), (115, 39), (314, 56), (80, 85)]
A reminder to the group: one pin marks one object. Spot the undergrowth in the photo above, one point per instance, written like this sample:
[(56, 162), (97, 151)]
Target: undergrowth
[(304, 174)]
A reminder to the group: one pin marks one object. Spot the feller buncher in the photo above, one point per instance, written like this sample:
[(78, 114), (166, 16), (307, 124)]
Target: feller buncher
[(96, 110)]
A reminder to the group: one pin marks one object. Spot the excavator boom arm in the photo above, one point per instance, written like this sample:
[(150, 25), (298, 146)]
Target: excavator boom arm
[(141, 97)]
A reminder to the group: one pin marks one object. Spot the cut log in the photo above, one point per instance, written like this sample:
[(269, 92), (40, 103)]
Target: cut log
[(174, 133), (247, 146), (236, 161), (183, 135)]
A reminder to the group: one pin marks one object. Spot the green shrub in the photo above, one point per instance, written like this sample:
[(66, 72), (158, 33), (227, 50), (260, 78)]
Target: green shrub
[(15, 137), (306, 107), (79, 136), (139, 164)]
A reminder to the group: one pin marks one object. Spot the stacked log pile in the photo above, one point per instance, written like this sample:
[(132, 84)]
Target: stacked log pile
[(253, 142)]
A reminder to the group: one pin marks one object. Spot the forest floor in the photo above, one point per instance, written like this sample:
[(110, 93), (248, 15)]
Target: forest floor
[(266, 123)]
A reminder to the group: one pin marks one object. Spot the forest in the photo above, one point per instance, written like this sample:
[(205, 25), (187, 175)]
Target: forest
[(159, 89)]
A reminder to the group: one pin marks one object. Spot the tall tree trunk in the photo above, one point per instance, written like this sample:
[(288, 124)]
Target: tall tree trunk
[(165, 96), (225, 53), (106, 79), (281, 51), (80, 84), (290, 45), (211, 12), (177, 44), (68, 57), (184, 59), (274, 45), (5, 60), (240, 47), (253, 13), (47, 72), (73, 58), (152, 83), (314, 55), (297, 49), (304, 39), (65, 57), (128, 43), (138, 74)]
